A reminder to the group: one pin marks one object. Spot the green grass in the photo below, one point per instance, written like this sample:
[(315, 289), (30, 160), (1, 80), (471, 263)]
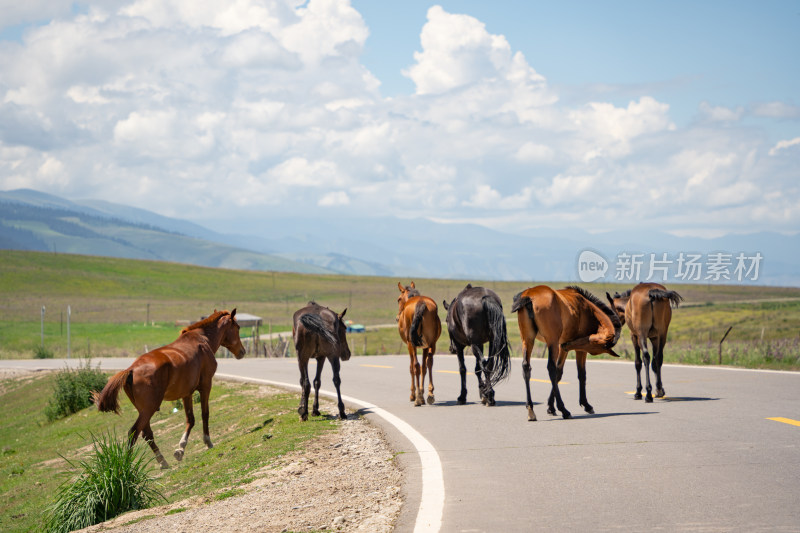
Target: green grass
[(31, 468), (112, 299)]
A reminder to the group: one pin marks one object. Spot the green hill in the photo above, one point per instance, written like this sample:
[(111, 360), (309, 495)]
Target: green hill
[(65, 229)]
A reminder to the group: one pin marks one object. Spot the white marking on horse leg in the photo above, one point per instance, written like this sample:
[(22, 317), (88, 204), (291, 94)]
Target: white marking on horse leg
[(178, 453)]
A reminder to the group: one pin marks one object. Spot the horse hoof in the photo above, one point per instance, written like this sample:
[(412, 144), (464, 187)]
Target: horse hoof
[(491, 402), (178, 455), (431, 399), (303, 418), (648, 399), (551, 411), (567, 415), (461, 401), (314, 413), (531, 416), (660, 393), (590, 410), (342, 416), (637, 396), (413, 397), (165, 466)]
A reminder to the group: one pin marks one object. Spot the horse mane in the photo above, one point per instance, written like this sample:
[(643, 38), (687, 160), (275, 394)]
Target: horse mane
[(206, 321), (412, 292), (599, 303), (626, 294)]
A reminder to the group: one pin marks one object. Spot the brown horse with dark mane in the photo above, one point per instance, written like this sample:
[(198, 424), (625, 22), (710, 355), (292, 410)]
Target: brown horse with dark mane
[(174, 372), (567, 319), (647, 308), (419, 326), (319, 333)]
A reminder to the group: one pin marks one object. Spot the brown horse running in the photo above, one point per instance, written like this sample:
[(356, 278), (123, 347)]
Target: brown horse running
[(174, 372), (419, 326), (319, 333), (566, 319), (647, 310)]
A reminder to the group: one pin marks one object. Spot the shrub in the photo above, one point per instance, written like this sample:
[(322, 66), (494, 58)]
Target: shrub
[(72, 390), (42, 353), (112, 481)]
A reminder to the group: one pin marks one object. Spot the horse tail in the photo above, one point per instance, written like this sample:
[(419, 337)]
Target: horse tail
[(316, 325), (416, 323), (499, 356), (671, 296), (108, 399)]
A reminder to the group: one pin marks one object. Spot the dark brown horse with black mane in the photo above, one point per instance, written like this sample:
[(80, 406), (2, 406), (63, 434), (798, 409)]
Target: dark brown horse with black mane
[(419, 327), (565, 320), (320, 334), (647, 308), (475, 317), (174, 372)]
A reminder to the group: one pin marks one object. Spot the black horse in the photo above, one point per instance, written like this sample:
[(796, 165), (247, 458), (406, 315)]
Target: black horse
[(475, 317), (320, 333)]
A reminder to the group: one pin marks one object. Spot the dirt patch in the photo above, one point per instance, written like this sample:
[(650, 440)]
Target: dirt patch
[(346, 480)]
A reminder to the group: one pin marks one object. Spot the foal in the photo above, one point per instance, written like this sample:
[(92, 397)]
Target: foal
[(319, 333), (419, 326), (174, 372), (647, 310)]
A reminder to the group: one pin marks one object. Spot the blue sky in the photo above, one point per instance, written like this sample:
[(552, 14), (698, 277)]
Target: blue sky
[(724, 53), (679, 116)]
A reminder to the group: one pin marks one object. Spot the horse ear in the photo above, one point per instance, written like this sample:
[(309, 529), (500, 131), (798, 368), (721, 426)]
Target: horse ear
[(446, 306), (400, 286), (233, 313), (342, 315), (611, 301), (412, 285)]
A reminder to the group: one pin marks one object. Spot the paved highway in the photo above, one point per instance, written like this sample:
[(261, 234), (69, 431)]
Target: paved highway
[(720, 453)]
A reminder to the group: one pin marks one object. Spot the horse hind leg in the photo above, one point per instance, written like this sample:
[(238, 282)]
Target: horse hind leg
[(648, 398), (305, 390), (427, 358), (658, 361), (638, 365), (337, 382), (317, 385), (484, 385), (189, 410), (416, 376), (462, 370)]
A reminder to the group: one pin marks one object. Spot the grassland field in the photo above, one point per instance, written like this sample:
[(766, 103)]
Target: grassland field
[(122, 307)]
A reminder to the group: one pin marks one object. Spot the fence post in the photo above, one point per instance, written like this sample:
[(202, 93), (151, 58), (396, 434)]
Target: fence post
[(720, 344), (42, 327), (69, 313)]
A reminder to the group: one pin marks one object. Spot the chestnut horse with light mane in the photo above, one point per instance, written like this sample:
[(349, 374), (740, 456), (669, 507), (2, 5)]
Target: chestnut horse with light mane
[(647, 308), (419, 326), (567, 319), (174, 372)]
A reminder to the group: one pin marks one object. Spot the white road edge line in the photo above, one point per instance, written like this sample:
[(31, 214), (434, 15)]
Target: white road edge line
[(431, 505)]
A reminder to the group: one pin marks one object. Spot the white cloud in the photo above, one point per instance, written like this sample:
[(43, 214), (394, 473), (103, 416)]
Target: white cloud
[(334, 198), (721, 113), (265, 105), (782, 145)]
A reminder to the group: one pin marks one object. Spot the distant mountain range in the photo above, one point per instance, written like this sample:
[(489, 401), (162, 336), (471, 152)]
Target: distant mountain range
[(381, 246)]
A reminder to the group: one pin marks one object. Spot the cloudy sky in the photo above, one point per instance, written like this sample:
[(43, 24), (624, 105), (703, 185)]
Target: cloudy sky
[(681, 116)]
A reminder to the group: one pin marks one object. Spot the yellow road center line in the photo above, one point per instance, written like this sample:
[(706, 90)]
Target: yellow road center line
[(548, 381), (378, 366), (786, 420), (448, 371)]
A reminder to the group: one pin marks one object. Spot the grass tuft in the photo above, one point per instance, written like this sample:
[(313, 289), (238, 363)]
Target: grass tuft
[(72, 390), (114, 480)]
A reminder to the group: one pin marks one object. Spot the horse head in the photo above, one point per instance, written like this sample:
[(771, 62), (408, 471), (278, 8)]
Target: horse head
[(230, 335), (405, 293), (341, 335), (618, 303)]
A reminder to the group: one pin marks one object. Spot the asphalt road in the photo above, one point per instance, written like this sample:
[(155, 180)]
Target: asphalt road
[(706, 458)]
